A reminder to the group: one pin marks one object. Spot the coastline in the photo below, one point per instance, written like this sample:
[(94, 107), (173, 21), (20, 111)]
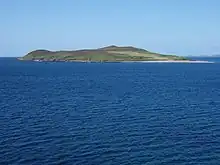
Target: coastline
[(157, 61)]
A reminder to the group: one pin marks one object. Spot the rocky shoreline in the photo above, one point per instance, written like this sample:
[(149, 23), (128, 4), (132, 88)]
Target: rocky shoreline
[(169, 61)]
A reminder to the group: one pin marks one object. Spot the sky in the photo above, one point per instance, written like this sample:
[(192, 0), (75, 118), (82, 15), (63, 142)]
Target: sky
[(181, 27)]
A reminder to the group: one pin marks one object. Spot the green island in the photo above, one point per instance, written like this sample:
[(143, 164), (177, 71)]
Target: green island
[(105, 54)]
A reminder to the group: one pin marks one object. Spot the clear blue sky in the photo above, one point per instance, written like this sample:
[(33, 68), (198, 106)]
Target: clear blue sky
[(183, 27)]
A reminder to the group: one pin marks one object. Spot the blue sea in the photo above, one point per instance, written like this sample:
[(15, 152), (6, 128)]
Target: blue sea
[(109, 113)]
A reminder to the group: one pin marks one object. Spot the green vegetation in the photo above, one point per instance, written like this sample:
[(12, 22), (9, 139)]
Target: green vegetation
[(106, 54)]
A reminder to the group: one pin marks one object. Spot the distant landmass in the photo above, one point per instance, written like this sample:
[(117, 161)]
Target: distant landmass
[(105, 54), (215, 55)]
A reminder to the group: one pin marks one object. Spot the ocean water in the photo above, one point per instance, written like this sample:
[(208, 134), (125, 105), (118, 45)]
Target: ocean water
[(109, 113)]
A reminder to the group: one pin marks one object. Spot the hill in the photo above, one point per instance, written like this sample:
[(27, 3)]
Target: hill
[(105, 54)]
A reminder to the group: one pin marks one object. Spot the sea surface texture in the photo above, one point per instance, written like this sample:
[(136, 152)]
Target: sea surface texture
[(109, 113)]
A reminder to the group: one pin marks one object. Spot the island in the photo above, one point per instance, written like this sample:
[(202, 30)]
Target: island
[(106, 54)]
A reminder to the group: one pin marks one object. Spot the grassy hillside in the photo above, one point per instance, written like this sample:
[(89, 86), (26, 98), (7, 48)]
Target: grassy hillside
[(106, 54)]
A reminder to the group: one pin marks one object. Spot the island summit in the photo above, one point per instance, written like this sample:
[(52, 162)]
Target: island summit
[(105, 54)]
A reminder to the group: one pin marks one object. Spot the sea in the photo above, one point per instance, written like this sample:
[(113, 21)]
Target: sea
[(109, 113)]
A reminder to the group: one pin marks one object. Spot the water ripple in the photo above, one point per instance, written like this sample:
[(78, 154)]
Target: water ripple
[(65, 113)]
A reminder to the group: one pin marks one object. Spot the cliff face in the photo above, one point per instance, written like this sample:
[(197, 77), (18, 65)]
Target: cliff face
[(106, 54)]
